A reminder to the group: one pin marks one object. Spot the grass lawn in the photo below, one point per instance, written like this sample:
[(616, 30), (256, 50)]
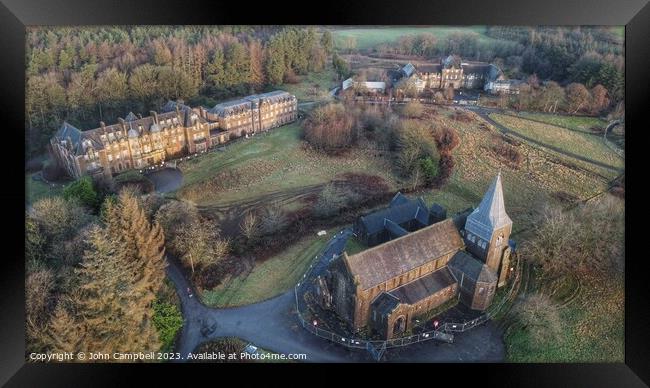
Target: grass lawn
[(372, 36), (269, 164), (269, 278), (578, 123), (36, 190), (314, 86), (589, 146), (354, 246), (591, 328), (525, 189)]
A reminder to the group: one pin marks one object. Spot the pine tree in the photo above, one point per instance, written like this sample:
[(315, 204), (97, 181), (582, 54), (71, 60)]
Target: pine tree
[(142, 250), (64, 333), (257, 76)]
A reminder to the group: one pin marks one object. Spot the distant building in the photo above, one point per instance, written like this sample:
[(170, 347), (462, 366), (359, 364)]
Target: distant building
[(450, 72), (386, 287), (503, 86), (137, 142), (370, 86)]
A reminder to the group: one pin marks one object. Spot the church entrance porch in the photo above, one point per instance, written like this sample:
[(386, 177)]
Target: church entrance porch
[(400, 325)]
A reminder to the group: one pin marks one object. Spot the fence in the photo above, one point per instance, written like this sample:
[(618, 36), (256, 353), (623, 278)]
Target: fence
[(378, 347)]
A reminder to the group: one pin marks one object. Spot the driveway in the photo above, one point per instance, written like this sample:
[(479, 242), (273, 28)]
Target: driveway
[(166, 180), (273, 325)]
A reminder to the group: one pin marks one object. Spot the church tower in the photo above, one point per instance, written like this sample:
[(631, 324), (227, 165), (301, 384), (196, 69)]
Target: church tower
[(487, 231)]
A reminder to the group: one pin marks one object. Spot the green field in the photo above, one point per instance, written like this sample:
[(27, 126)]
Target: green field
[(269, 278), (589, 146), (591, 326), (578, 123), (372, 36), (36, 190), (314, 86), (267, 165), (525, 188)]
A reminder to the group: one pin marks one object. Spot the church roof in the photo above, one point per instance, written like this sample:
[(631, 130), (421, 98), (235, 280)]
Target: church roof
[(490, 213), (385, 303), (415, 291), (473, 269), (393, 258), (130, 117), (401, 209), (408, 69)]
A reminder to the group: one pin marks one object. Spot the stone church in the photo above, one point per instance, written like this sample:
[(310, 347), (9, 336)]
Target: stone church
[(385, 287)]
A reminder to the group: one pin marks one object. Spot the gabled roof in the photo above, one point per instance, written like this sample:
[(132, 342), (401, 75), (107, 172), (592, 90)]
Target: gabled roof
[(393, 258), (408, 69), (431, 68), (401, 210), (415, 291), (130, 117), (385, 303), (471, 268), (490, 213)]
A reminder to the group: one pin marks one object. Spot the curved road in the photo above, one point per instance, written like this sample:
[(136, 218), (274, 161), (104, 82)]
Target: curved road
[(273, 325), (484, 113)]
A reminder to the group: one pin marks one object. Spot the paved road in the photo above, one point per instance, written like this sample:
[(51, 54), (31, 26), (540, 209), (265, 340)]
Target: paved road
[(273, 325), (484, 113)]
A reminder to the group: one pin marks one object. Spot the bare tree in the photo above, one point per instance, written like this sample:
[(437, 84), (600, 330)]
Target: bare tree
[(250, 225)]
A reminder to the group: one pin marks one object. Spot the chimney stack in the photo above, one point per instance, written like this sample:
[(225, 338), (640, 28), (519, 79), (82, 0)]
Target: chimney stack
[(155, 116), (122, 124), (102, 125)]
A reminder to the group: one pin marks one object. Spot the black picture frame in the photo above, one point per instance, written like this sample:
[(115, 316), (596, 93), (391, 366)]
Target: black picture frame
[(16, 14)]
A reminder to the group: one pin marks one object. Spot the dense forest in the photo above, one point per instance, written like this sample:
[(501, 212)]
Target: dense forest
[(87, 74), (586, 55)]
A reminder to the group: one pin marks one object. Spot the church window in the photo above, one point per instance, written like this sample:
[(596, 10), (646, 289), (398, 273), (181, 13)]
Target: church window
[(481, 290)]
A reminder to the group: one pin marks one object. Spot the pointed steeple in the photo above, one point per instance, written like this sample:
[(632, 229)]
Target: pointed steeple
[(490, 213)]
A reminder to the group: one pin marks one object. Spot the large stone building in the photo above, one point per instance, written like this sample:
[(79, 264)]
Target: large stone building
[(137, 142), (450, 72), (385, 287)]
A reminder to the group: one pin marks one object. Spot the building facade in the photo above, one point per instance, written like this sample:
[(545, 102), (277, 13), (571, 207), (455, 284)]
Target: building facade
[(450, 72), (137, 142), (386, 287)]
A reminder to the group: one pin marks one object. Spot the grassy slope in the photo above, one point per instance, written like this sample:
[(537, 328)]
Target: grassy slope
[(269, 278), (578, 123), (280, 163), (323, 82), (527, 187), (35, 190), (591, 328), (576, 142), (372, 36)]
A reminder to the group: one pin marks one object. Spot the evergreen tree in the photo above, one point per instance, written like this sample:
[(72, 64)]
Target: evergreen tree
[(275, 65), (327, 41), (256, 54)]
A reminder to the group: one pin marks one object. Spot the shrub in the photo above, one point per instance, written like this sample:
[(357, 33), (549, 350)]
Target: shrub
[(446, 139), (413, 109), (168, 320), (333, 199), (508, 153), (413, 142), (58, 218), (429, 169), (330, 128), (83, 191)]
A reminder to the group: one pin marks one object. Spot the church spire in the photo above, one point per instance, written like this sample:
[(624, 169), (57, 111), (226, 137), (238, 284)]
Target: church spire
[(491, 214)]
